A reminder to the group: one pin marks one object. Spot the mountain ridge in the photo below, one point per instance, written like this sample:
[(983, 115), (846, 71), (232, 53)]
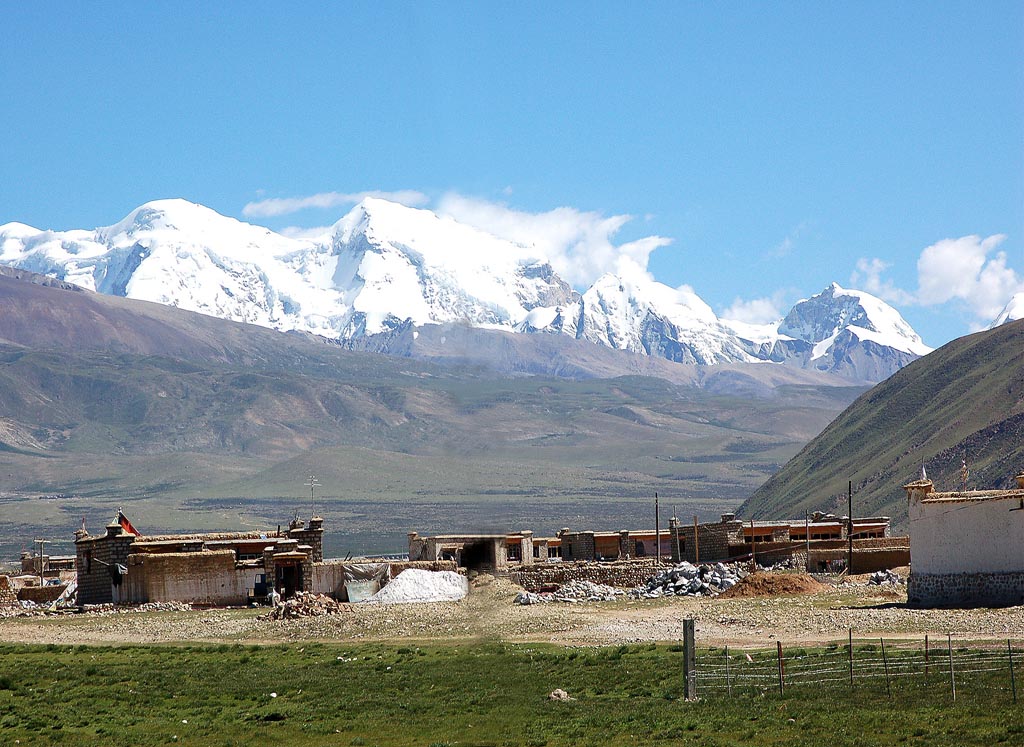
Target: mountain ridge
[(384, 264)]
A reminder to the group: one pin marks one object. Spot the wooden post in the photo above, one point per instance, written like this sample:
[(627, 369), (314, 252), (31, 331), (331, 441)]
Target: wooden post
[(926, 664), (851, 658), (689, 660), (885, 663), (782, 675), (952, 674), (728, 679), (1013, 678), (657, 530), (696, 542)]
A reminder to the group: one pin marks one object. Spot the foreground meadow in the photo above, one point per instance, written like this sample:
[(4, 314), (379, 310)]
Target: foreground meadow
[(470, 693)]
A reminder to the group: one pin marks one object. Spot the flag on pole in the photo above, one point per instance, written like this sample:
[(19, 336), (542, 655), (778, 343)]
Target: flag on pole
[(127, 525)]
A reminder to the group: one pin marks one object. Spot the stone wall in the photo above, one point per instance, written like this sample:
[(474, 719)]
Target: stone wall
[(95, 557), (8, 596), (624, 574), (965, 589)]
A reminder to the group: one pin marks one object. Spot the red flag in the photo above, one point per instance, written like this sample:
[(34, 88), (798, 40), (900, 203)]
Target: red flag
[(127, 525)]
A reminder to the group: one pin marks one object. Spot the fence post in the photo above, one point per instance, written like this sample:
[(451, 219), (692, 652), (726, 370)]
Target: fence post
[(926, 667), (851, 658), (728, 679), (689, 660), (952, 674), (782, 674), (1013, 678), (885, 663)]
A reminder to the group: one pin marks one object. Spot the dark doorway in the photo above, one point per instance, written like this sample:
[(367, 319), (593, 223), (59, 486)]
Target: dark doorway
[(289, 579), (477, 555)]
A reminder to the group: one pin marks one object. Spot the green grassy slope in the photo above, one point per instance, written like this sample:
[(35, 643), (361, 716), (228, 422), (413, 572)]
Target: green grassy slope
[(965, 399)]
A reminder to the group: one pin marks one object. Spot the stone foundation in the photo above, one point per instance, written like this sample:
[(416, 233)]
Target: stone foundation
[(965, 589), (624, 574)]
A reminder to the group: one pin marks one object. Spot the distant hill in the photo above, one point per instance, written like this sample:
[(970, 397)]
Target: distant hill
[(194, 421), (965, 400)]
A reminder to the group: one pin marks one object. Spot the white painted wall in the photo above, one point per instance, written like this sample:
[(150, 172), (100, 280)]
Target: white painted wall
[(967, 536)]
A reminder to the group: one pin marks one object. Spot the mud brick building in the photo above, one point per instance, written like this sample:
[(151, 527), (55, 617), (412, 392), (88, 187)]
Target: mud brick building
[(966, 547), (214, 568)]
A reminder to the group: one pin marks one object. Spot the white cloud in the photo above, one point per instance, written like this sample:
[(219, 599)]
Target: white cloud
[(577, 243), (963, 270), (755, 311), (785, 247), (298, 232), (275, 206), (868, 277)]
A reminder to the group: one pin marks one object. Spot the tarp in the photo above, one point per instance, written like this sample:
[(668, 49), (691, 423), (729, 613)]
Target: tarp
[(363, 580)]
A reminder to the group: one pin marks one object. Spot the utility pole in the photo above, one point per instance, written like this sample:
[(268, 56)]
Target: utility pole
[(41, 542), (657, 529), (849, 529), (807, 540), (696, 541)]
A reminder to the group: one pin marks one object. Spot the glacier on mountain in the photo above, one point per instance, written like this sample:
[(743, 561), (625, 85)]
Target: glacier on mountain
[(384, 266)]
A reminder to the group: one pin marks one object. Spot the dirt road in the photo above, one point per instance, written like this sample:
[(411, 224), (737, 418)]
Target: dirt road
[(489, 613)]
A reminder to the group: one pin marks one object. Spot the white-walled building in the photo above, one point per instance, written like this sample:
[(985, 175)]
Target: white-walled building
[(966, 548)]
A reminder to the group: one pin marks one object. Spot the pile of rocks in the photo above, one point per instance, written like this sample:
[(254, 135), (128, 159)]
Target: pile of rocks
[(687, 579), (885, 578), (306, 604), (574, 591)]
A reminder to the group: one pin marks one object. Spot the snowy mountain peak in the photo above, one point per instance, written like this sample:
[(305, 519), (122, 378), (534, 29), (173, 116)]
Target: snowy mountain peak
[(835, 309), (1013, 311), (384, 266)]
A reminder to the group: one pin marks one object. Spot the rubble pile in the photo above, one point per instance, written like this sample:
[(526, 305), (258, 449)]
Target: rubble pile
[(306, 604), (574, 591), (687, 579), (885, 578), (26, 608)]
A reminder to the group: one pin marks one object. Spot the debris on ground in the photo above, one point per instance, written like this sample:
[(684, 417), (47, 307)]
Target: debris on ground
[(771, 584), (886, 578), (686, 579), (559, 694), (306, 604), (417, 585), (573, 591)]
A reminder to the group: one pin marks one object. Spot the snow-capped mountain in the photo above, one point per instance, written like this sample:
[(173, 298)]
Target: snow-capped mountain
[(1013, 311), (384, 267), (845, 331)]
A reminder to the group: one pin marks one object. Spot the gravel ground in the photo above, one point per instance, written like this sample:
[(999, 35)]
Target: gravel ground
[(489, 613)]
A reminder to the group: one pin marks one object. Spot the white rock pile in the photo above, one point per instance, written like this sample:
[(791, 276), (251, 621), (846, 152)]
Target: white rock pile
[(574, 591), (687, 579), (885, 578), (418, 585)]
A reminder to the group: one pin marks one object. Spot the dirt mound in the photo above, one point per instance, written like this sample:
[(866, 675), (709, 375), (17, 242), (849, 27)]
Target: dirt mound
[(773, 584)]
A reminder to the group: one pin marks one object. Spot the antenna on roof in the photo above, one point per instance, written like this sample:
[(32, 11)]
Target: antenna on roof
[(312, 484)]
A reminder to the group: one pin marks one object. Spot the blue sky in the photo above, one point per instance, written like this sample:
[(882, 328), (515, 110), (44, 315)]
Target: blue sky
[(778, 147)]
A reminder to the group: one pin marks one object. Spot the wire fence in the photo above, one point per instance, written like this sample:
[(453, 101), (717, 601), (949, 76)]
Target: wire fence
[(886, 666)]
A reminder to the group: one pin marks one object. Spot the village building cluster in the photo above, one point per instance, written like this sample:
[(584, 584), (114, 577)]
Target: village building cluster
[(965, 548)]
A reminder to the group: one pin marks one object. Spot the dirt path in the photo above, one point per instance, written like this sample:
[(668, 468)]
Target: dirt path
[(488, 613)]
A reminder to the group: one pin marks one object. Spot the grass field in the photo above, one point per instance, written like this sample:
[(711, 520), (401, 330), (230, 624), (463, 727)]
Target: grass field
[(485, 693)]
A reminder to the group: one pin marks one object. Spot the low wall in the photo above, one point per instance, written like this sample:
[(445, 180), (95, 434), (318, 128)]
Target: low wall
[(864, 560), (41, 594), (965, 589), (624, 574), (8, 596), (204, 578)]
